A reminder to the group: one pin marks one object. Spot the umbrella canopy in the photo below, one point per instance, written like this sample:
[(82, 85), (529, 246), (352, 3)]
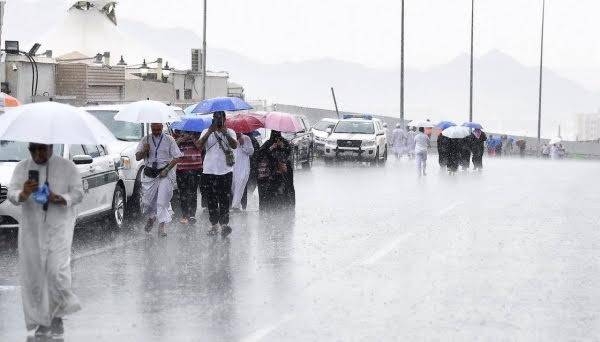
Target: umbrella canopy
[(8, 101), (244, 123), (283, 122), (473, 125), (421, 123), (456, 132), (147, 111), (221, 104), (445, 124), (188, 110), (193, 123), (555, 140), (53, 123)]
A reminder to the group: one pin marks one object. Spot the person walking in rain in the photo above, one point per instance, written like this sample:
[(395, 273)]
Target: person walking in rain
[(442, 146), (241, 172), (218, 142), (160, 154), (421, 146), (398, 141), (189, 170), (410, 142), (45, 236), (477, 141), (275, 174)]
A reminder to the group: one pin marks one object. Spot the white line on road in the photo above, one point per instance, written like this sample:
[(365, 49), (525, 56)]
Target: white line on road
[(449, 208), (385, 250), (106, 249), (264, 332), (6, 288)]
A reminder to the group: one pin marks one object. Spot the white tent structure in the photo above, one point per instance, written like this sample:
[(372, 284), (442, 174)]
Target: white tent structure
[(90, 27)]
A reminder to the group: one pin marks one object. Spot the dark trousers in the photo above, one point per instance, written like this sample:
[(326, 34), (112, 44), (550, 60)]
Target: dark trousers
[(478, 160), (218, 197), (187, 182)]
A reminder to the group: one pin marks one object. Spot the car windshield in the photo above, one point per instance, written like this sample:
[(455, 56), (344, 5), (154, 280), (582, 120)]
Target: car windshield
[(125, 131), (15, 151), (323, 125), (360, 127)]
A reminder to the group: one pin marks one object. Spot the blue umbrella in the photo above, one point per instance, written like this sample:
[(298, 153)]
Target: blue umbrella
[(473, 125), (221, 104), (445, 124), (192, 123)]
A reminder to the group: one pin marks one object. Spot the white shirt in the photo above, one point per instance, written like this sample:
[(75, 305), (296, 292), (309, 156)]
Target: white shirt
[(421, 142), (214, 159), (163, 150)]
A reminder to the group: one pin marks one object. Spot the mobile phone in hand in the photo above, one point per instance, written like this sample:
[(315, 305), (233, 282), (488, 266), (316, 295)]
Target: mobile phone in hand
[(34, 175)]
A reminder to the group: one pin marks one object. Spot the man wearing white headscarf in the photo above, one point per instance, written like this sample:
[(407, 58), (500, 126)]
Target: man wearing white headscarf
[(399, 141), (47, 188)]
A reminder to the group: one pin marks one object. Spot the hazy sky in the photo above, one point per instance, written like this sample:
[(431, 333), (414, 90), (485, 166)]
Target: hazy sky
[(368, 32)]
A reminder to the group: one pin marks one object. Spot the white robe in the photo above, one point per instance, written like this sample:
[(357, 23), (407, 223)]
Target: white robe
[(410, 142), (45, 242), (399, 141), (241, 171)]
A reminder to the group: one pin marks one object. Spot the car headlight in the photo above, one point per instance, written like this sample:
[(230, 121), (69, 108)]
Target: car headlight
[(332, 141), (368, 143), (125, 163)]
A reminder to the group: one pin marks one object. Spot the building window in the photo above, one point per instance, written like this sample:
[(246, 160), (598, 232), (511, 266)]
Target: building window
[(187, 94), (177, 94)]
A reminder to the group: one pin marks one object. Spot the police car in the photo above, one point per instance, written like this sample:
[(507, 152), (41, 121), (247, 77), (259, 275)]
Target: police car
[(104, 191), (360, 137)]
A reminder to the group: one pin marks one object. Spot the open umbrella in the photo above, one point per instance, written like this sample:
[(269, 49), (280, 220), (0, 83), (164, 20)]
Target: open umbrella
[(473, 125), (147, 111), (444, 124), (193, 123), (244, 123), (555, 140), (221, 104), (53, 123), (8, 101), (283, 122), (421, 123), (456, 132)]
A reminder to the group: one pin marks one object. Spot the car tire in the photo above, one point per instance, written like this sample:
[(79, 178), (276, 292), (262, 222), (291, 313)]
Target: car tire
[(384, 157), (375, 161), (117, 214)]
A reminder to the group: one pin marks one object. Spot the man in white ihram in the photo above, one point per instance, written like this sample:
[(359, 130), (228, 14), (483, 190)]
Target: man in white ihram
[(421, 146), (47, 188), (161, 154)]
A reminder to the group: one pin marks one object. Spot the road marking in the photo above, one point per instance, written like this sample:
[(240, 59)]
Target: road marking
[(449, 208), (264, 332), (6, 288), (108, 248), (385, 250)]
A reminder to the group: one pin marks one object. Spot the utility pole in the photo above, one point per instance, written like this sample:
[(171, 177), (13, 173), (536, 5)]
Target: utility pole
[(471, 66), (204, 55), (539, 125), (402, 69), (335, 103)]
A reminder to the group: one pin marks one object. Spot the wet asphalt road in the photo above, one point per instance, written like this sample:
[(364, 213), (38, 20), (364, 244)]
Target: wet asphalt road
[(370, 254)]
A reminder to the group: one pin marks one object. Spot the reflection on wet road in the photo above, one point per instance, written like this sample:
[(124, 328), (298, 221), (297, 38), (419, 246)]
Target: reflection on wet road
[(369, 254)]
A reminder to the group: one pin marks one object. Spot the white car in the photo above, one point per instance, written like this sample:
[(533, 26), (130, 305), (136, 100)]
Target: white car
[(104, 191), (128, 136), (357, 137), (320, 133)]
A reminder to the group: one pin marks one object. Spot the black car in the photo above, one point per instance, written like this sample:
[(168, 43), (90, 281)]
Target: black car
[(303, 143)]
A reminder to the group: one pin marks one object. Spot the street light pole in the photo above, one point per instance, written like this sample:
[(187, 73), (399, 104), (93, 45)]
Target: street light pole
[(402, 69), (204, 55), (539, 123), (471, 66)]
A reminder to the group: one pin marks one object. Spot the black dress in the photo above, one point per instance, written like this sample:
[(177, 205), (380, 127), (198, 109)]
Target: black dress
[(478, 148), (442, 146), (275, 185)]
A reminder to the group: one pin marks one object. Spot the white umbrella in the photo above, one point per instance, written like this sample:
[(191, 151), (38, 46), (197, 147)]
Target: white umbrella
[(556, 140), (456, 132), (53, 123), (421, 123), (147, 111)]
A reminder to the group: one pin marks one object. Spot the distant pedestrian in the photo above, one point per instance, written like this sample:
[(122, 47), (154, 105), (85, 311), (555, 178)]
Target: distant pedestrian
[(545, 151), (421, 146), (442, 147), (218, 143), (491, 146), (160, 154), (46, 188), (241, 172), (498, 148), (189, 171), (410, 142), (398, 141), (477, 140), (522, 145), (275, 174), (555, 152)]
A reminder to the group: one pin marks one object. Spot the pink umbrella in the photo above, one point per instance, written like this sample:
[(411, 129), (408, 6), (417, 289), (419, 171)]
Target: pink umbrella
[(283, 122)]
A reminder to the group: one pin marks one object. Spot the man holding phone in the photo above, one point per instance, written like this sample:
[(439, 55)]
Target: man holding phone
[(47, 188), (218, 142)]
